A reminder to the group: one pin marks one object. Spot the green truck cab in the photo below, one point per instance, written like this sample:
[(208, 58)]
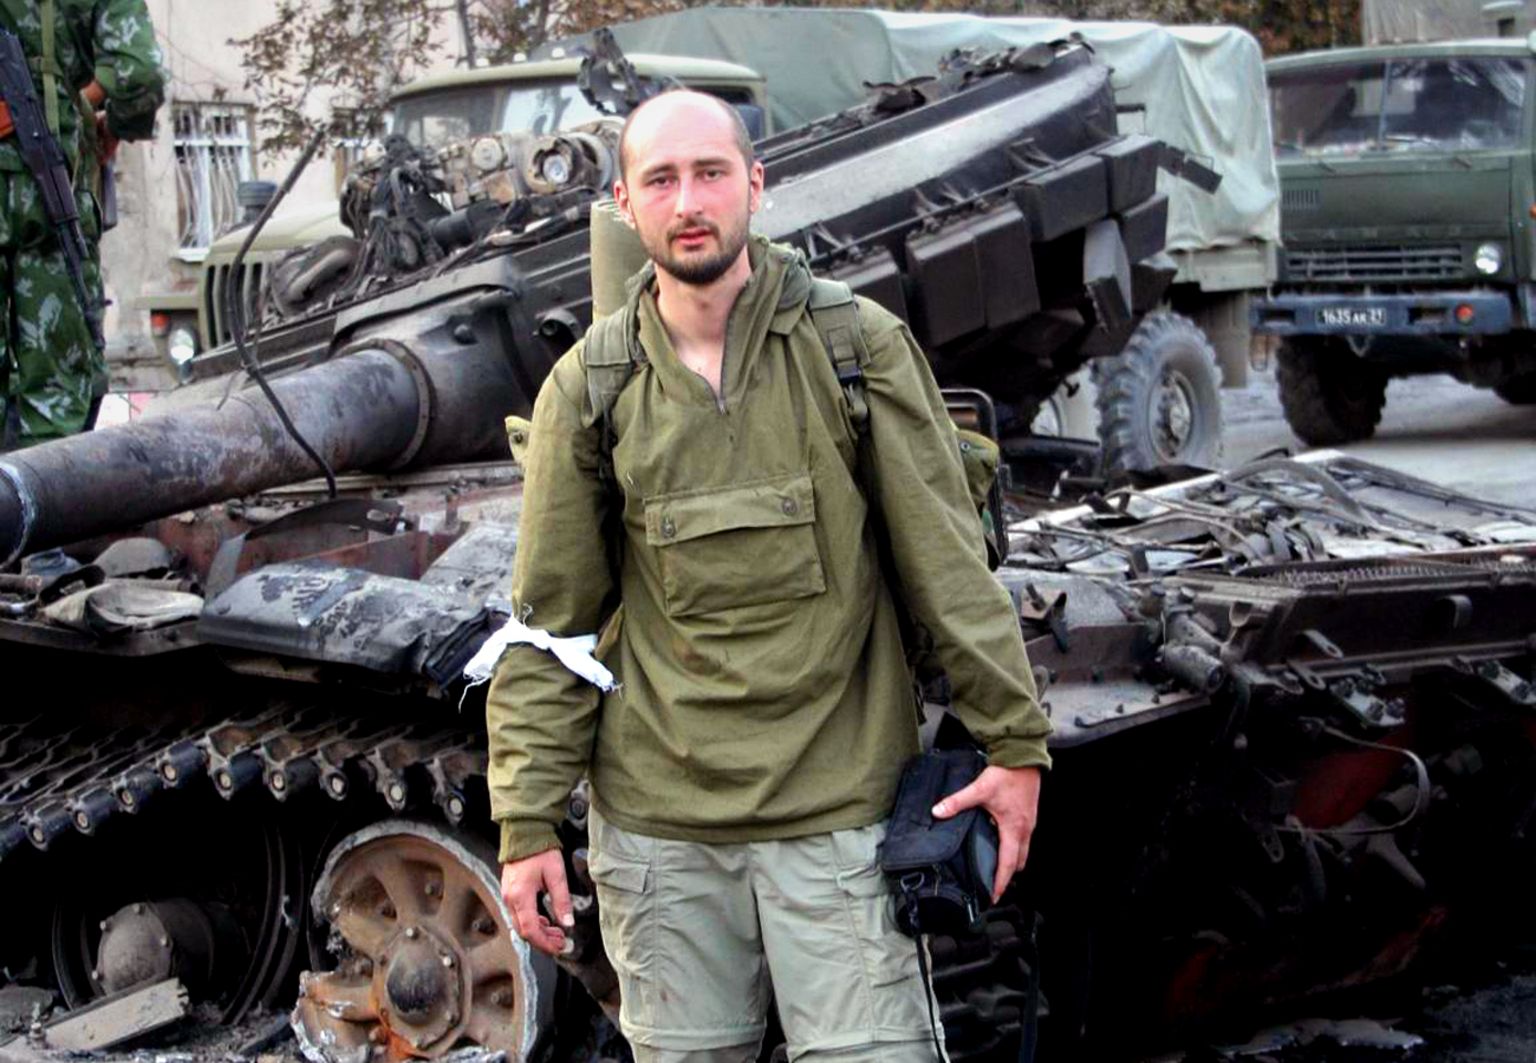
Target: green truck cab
[(1408, 182), (540, 95)]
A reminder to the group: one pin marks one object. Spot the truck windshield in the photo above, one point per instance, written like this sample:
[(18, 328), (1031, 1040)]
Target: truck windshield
[(1399, 105), (432, 119)]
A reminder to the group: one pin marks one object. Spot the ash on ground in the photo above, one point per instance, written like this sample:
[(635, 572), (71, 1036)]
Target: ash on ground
[(1490, 1018)]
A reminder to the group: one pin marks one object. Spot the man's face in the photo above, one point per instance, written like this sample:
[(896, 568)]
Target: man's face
[(687, 190)]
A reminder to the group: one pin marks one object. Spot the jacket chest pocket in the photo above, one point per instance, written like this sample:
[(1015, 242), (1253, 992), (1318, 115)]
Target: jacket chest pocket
[(728, 547)]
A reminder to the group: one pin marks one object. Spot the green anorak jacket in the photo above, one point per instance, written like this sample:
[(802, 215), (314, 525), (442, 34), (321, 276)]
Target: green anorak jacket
[(763, 688)]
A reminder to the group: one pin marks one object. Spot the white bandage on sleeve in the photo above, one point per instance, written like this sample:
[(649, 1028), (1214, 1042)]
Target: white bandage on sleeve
[(575, 653)]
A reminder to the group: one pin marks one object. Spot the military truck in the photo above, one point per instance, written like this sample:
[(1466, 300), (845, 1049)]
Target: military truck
[(1409, 201), (540, 96)]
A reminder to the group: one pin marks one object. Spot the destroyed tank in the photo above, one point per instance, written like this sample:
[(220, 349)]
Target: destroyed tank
[(1293, 702)]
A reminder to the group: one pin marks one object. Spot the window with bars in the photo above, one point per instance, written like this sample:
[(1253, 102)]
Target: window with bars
[(213, 155)]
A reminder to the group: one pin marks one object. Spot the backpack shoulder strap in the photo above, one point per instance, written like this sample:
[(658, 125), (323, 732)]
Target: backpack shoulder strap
[(835, 314), (609, 361), (610, 358)]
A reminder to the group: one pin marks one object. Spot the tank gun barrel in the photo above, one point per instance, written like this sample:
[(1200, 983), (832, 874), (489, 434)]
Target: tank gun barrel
[(380, 407)]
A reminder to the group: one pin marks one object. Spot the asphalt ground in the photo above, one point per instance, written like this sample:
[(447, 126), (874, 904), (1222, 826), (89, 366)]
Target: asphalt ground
[(1433, 427), (1486, 1016)]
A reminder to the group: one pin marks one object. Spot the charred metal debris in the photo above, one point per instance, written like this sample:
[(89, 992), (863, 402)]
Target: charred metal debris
[(1280, 577)]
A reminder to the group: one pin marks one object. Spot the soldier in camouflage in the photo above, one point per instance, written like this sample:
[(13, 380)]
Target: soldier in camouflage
[(51, 373)]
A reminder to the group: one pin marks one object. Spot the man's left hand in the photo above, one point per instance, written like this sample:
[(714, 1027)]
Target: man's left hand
[(1011, 796)]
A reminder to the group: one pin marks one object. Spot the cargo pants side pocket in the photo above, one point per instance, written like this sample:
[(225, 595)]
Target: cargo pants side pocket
[(626, 899)]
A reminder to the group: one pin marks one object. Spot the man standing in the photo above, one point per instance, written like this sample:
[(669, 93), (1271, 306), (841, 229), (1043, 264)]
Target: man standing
[(52, 374), (742, 772)]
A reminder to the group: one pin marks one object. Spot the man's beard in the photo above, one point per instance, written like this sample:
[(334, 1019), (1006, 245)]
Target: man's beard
[(699, 271)]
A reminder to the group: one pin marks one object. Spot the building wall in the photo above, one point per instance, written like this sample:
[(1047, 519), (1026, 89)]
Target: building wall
[(140, 257)]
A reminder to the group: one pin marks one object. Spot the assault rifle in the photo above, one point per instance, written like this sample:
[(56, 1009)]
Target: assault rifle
[(45, 159)]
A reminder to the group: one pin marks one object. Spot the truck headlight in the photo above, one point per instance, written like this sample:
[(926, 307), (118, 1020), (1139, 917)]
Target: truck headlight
[(182, 345), (555, 169), (1489, 259)]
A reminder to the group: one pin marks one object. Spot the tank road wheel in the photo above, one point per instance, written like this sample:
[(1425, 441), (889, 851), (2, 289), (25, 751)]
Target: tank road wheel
[(1160, 398), (1329, 394), (222, 922), (1518, 390), (427, 956)]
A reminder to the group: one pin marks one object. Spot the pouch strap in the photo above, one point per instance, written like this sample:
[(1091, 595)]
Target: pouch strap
[(910, 897), (50, 68)]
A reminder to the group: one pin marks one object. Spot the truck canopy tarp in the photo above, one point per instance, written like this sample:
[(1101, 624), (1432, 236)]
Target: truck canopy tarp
[(1202, 86), (1389, 21)]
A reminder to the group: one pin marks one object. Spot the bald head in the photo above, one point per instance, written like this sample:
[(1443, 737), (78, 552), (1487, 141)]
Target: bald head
[(685, 108)]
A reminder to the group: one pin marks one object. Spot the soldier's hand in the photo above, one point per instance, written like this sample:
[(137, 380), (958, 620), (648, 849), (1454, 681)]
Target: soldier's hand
[(106, 142), (521, 883), (1011, 796)]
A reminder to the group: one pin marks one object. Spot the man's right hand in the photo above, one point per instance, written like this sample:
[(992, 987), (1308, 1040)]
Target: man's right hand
[(521, 883), (106, 142)]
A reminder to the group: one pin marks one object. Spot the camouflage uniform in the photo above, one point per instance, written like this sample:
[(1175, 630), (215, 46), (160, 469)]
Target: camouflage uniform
[(51, 373)]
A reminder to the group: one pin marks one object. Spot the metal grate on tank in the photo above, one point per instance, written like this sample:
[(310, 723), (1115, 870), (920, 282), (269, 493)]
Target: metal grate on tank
[(1388, 570), (1434, 262)]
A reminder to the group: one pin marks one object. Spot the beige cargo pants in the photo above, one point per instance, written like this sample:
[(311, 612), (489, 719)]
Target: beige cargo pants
[(699, 935)]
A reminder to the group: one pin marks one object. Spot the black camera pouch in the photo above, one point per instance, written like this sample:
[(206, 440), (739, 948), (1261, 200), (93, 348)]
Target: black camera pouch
[(940, 870)]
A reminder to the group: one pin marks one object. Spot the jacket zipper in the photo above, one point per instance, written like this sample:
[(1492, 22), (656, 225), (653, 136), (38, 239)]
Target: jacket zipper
[(725, 351)]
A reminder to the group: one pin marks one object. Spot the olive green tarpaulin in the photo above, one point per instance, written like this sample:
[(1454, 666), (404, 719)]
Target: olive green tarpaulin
[(1401, 21)]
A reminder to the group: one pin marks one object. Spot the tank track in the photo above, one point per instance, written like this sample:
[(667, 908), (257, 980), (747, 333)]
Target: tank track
[(982, 985), (57, 777), (60, 780)]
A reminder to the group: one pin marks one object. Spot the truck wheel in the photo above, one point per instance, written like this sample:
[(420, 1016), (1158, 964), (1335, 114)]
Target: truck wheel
[(1518, 390), (1160, 398), (1329, 395)]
